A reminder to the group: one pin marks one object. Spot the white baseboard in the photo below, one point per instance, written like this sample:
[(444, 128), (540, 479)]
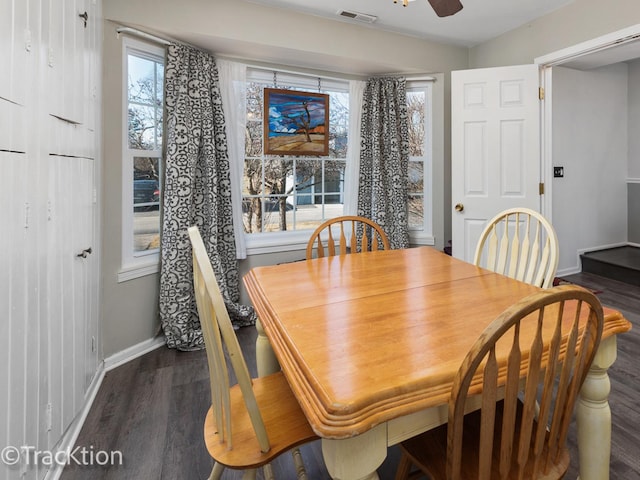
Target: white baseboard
[(132, 352), (70, 436), (577, 268), (68, 440), (567, 271), (601, 247)]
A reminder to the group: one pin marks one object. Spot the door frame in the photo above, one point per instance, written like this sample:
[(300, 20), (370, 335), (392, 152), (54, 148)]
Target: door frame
[(599, 45)]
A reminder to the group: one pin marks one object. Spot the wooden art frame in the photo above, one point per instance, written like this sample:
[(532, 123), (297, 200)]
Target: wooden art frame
[(295, 122)]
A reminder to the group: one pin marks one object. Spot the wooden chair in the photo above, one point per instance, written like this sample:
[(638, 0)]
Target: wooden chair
[(521, 244), (521, 428), (254, 421), (373, 237)]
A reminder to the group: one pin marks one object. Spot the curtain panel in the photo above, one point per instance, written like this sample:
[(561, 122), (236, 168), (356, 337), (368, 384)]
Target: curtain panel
[(356, 89), (197, 191), (233, 87), (384, 158)]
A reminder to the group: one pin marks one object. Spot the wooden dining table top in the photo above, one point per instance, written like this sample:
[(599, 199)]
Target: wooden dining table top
[(365, 338)]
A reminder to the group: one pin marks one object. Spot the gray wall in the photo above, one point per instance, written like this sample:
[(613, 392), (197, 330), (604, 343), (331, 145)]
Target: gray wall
[(633, 212), (590, 141), (237, 29), (633, 183), (577, 22), (603, 218)]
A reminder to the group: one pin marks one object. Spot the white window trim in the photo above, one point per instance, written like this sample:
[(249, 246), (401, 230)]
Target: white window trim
[(274, 242), (425, 236), (134, 265), (291, 240)]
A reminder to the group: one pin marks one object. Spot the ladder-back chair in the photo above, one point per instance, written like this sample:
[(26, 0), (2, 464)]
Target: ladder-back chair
[(526, 400), (348, 240), (521, 244), (251, 423)]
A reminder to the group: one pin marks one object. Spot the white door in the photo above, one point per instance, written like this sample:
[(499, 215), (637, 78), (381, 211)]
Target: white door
[(495, 148)]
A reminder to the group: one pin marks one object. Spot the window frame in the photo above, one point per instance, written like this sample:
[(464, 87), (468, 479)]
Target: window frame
[(134, 264), (425, 235), (291, 240), (275, 242)]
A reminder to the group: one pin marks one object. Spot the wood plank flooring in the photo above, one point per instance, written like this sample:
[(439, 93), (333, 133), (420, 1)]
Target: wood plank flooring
[(151, 409)]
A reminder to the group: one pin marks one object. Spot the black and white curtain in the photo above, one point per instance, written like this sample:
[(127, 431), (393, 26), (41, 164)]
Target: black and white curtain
[(384, 158), (197, 191)]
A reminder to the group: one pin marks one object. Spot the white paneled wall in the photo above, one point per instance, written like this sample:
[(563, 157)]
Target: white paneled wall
[(49, 171)]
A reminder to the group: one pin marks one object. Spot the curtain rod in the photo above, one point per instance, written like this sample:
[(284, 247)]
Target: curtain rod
[(425, 78), (303, 73), (416, 78), (140, 33)]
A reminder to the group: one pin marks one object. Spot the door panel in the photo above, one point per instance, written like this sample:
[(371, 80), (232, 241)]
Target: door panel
[(495, 152)]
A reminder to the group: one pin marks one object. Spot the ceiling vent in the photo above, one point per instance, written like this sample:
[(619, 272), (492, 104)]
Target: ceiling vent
[(357, 16)]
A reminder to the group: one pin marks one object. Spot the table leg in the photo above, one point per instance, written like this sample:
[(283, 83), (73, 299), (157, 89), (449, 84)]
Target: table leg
[(266, 360), (356, 458), (593, 415)]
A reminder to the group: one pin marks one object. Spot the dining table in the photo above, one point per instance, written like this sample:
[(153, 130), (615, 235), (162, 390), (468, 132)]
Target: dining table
[(370, 344)]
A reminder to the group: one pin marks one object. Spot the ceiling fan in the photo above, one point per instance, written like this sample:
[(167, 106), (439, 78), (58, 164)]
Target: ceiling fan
[(443, 8)]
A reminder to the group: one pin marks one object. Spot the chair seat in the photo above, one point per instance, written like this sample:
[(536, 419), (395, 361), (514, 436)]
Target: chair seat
[(284, 420), (429, 450)]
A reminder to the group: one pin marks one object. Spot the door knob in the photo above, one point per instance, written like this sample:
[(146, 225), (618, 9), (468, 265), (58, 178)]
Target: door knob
[(459, 207)]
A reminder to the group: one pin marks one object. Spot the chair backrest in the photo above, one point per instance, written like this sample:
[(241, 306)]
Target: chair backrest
[(521, 244), (218, 334), (561, 329), (357, 234)]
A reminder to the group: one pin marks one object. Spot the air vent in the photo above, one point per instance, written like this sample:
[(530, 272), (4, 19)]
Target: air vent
[(357, 16)]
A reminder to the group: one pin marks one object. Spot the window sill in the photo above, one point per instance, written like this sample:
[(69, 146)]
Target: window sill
[(421, 238), (263, 243), (131, 272)]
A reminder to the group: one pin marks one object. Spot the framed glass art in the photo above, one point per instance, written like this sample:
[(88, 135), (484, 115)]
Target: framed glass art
[(295, 123)]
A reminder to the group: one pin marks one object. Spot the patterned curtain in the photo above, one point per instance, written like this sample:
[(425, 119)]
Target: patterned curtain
[(197, 191), (384, 158)]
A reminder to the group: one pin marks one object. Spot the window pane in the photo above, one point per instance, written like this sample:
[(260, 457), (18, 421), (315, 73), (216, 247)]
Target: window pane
[(416, 105), (277, 176), (308, 176), (334, 176), (333, 203), (253, 139), (143, 127), (159, 85), (416, 177), (145, 168), (252, 178), (302, 186), (146, 203), (146, 230), (142, 80), (252, 214), (254, 101), (338, 124), (145, 90), (416, 212)]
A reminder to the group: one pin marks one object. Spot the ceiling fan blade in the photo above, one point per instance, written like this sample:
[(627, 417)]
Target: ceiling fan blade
[(444, 8)]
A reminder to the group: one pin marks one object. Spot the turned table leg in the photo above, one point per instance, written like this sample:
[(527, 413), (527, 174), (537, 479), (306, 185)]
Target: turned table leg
[(266, 360), (356, 458), (593, 415)]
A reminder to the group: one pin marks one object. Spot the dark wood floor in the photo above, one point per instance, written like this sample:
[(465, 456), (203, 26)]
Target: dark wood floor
[(151, 410)]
